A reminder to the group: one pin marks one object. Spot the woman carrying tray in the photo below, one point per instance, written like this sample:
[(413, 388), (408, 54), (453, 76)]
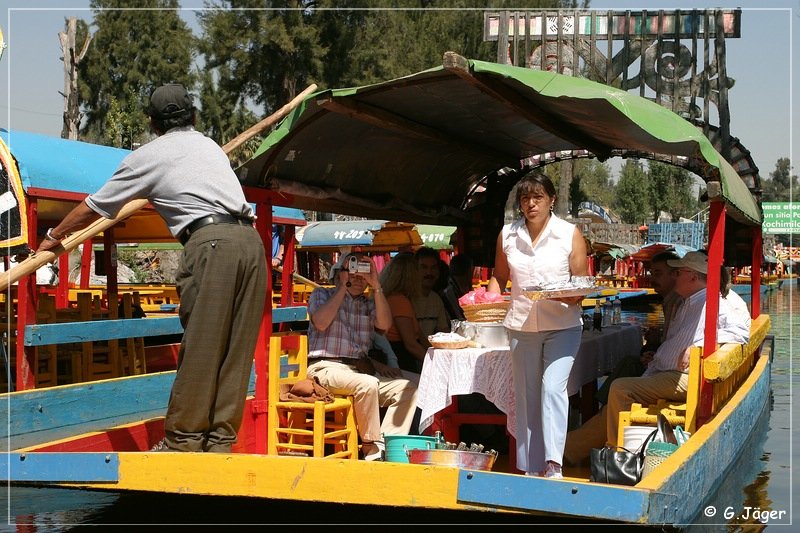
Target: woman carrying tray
[(535, 250)]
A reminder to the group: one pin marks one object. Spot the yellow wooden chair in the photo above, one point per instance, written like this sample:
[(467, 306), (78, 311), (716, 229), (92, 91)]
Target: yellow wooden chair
[(318, 429)]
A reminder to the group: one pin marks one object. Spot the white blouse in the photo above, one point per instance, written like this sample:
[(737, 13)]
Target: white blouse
[(531, 265)]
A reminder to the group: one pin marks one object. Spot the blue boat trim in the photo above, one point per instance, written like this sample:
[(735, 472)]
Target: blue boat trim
[(99, 330), (591, 500), (45, 415), (61, 467), (75, 332), (705, 470)]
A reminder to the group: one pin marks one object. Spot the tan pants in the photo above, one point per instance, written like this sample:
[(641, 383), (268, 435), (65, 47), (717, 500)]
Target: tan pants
[(602, 428), (370, 393)]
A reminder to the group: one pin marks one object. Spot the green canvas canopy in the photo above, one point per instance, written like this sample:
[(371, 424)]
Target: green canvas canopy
[(436, 237), (366, 235), (418, 148)]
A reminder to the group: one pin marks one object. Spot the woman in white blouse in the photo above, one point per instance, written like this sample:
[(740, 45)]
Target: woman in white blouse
[(545, 335)]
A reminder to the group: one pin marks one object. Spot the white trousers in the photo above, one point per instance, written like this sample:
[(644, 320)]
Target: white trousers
[(541, 365), (370, 393)]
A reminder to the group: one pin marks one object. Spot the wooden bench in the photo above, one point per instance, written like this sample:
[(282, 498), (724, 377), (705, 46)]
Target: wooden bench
[(724, 371)]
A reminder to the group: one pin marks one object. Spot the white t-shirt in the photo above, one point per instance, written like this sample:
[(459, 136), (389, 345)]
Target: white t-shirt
[(688, 329), (183, 173)]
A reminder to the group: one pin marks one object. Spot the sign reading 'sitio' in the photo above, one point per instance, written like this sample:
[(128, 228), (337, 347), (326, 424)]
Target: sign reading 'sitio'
[(781, 217)]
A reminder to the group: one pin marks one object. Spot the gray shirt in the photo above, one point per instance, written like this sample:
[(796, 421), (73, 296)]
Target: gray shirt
[(183, 174)]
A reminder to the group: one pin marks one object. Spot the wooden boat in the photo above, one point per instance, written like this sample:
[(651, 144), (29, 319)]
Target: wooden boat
[(621, 293), (97, 436)]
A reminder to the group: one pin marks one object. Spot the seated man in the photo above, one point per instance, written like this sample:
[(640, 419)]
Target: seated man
[(662, 279), (428, 305), (459, 283), (666, 376), (340, 334)]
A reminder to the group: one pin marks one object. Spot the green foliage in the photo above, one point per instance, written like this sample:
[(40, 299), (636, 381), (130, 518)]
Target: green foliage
[(671, 191), (264, 57), (596, 183), (781, 182), (633, 193), (133, 50), (123, 121)]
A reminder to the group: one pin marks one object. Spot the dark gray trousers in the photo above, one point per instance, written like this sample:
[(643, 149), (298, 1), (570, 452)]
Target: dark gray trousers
[(222, 287)]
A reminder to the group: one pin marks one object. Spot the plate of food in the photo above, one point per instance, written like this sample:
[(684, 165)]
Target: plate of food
[(448, 341), (575, 286)]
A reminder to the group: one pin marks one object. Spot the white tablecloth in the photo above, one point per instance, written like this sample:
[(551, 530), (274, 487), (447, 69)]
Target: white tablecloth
[(447, 373)]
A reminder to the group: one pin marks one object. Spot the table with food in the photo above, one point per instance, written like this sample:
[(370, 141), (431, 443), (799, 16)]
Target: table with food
[(475, 357)]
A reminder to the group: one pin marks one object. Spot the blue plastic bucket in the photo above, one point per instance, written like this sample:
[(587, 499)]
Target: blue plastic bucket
[(396, 446)]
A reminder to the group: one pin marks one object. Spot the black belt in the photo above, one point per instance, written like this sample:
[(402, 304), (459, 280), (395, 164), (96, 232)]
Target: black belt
[(211, 219), (343, 360)]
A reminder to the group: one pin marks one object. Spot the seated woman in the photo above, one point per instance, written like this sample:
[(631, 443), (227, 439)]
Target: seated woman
[(401, 283)]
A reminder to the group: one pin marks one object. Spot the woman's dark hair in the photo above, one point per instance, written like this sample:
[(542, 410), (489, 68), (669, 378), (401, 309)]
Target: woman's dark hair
[(532, 182), (163, 125)]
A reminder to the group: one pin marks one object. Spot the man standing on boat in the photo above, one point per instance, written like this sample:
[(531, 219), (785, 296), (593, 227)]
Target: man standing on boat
[(222, 278), (666, 376)]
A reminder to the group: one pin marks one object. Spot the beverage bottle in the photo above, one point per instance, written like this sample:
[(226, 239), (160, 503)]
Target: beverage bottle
[(607, 312), (597, 317), (616, 317)]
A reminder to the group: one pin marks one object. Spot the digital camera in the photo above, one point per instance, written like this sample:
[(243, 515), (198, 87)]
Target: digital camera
[(354, 266)]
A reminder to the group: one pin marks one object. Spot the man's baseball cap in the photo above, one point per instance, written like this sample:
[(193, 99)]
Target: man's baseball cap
[(697, 261), (169, 101)]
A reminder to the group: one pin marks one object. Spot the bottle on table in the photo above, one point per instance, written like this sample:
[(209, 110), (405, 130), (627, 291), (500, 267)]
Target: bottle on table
[(597, 317), (616, 316), (607, 310)]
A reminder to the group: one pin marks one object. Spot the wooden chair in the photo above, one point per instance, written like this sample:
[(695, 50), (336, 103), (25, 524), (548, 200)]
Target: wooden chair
[(46, 369), (318, 429), (132, 359), (99, 360)]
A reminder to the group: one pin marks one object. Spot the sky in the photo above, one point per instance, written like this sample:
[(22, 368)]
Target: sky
[(763, 115)]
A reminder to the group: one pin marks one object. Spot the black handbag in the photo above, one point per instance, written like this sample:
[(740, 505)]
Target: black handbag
[(618, 465)]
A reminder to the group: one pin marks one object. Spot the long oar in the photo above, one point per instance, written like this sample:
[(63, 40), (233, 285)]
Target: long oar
[(36, 261), (298, 277)]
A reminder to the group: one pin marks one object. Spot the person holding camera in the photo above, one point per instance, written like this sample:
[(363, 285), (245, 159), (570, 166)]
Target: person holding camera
[(341, 326)]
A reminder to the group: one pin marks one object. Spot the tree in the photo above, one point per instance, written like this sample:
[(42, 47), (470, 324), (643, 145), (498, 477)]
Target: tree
[(261, 58), (596, 183), (632, 196), (71, 58), (123, 122), (576, 196), (780, 184), (132, 52), (671, 188)]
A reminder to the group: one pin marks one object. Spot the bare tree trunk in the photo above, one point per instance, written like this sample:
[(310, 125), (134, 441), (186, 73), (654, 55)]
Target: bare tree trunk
[(72, 112), (562, 201)]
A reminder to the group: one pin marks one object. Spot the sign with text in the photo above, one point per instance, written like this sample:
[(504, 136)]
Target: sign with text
[(781, 218)]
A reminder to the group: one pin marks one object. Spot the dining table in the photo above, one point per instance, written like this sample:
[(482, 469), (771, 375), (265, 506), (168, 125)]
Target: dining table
[(488, 371)]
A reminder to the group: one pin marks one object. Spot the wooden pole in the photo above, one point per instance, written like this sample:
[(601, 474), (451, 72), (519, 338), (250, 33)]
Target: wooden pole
[(298, 277), (36, 261), (243, 137)]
